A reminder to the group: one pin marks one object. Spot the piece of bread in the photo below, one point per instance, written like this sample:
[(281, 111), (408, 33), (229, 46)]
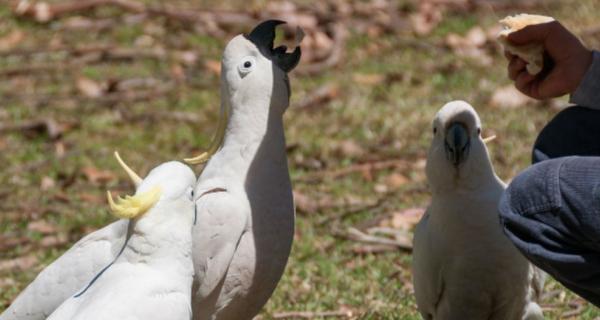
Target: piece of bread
[(533, 54)]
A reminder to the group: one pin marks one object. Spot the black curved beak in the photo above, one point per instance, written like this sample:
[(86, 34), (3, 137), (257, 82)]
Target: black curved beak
[(263, 36), (457, 143)]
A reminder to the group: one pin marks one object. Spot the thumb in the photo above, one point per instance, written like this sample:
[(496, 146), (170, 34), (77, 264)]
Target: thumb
[(537, 33)]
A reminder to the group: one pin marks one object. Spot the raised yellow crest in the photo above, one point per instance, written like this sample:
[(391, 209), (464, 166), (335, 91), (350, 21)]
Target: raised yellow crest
[(133, 206)]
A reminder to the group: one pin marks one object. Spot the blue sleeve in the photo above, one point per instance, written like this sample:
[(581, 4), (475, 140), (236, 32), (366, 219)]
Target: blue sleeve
[(588, 92)]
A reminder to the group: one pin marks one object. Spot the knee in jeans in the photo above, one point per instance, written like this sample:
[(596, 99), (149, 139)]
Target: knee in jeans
[(534, 190)]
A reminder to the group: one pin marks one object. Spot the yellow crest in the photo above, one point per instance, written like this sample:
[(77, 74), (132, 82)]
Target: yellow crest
[(133, 206)]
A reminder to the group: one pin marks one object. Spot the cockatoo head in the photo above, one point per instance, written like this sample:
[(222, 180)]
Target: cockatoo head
[(169, 185), (253, 77), (457, 151)]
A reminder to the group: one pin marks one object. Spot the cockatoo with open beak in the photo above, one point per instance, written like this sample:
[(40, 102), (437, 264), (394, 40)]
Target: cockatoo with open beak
[(245, 212), (463, 265), (244, 197), (151, 276)]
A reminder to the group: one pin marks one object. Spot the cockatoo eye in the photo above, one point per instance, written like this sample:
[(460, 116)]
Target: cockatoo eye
[(190, 194), (247, 65), (478, 130), (434, 130)]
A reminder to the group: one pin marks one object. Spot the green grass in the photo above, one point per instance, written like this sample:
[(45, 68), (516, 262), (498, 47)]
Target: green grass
[(387, 121)]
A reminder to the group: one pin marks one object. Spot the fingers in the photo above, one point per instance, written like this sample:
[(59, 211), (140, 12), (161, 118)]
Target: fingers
[(515, 67), (533, 33), (526, 83)]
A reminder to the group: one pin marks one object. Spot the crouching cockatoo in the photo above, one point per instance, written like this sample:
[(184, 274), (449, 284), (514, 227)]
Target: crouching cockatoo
[(245, 212), (463, 265), (151, 276)]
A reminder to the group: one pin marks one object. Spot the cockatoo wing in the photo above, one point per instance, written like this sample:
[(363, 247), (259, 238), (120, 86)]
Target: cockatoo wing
[(222, 219), (69, 273), (427, 273), (129, 291)]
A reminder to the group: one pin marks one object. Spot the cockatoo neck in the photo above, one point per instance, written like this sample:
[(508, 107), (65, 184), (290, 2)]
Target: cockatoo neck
[(253, 124), (162, 236)]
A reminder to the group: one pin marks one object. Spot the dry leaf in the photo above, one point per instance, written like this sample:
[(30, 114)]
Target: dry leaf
[(92, 198), (7, 282), (214, 66), (53, 241), (7, 243), (62, 197), (395, 180), (89, 87), (404, 220), (304, 203), (509, 97), (472, 45), (177, 72), (11, 40), (47, 183), (189, 58), (350, 148), (97, 176), (427, 18), (22, 263), (368, 79), (43, 227), (380, 188)]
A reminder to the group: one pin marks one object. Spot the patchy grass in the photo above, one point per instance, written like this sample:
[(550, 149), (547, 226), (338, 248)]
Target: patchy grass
[(367, 121)]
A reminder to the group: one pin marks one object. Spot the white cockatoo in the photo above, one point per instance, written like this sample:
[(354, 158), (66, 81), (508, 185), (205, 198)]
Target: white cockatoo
[(151, 276), (244, 197), (463, 265), (245, 212)]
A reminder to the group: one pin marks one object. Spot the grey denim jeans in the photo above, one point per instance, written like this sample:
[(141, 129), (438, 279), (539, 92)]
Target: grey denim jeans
[(551, 211)]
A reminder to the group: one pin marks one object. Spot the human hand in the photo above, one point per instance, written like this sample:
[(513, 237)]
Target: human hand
[(566, 60)]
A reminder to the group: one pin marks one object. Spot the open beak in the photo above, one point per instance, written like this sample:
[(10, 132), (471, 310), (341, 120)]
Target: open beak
[(263, 36), (457, 143), (216, 142)]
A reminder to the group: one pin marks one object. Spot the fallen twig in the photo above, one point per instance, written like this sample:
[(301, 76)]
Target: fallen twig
[(344, 313), (357, 209), (48, 126), (579, 307), (357, 235), (373, 248)]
